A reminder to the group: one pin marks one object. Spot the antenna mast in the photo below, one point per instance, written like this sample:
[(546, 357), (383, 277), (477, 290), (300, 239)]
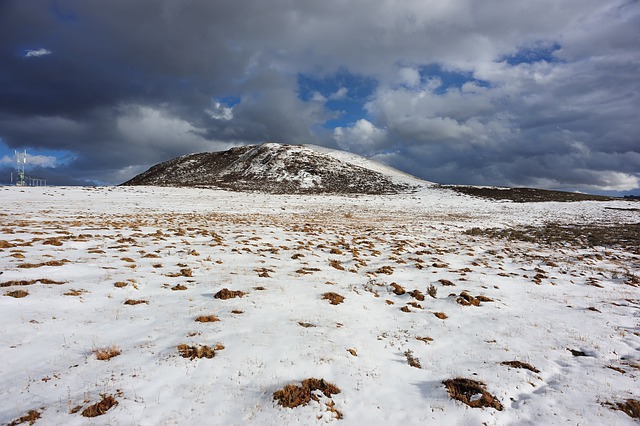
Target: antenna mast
[(21, 160)]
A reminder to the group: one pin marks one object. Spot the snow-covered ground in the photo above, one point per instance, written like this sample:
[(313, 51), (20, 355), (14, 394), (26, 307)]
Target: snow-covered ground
[(571, 312)]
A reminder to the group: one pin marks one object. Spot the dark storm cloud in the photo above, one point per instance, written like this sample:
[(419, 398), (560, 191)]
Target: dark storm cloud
[(529, 93)]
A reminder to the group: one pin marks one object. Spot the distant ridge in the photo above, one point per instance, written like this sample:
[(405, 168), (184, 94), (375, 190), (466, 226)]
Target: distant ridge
[(280, 169)]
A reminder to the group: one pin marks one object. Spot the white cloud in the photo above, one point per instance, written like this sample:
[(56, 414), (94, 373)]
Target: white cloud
[(220, 112), (34, 53), (341, 93), (361, 137), (409, 77), (33, 160)]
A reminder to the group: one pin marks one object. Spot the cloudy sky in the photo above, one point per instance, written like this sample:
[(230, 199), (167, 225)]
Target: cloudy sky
[(542, 93)]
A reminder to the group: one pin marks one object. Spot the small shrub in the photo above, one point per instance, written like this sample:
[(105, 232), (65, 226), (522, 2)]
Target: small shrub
[(106, 353), (472, 393), (225, 294), (99, 408), (333, 298), (432, 291)]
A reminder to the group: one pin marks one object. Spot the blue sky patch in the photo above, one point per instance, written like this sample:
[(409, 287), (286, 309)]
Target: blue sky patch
[(533, 54), (449, 79), (347, 104)]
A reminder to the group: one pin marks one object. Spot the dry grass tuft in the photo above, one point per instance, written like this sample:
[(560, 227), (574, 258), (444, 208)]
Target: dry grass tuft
[(179, 287), (225, 294), (100, 408), (106, 353), (631, 407), (333, 298), (135, 302), (237, 312), (432, 291), (75, 292), (472, 393), (405, 309), (520, 364), (6, 244), (18, 294), (465, 299), (336, 264), (38, 265), (30, 417), (307, 271), (414, 362), (417, 294), (193, 352), (441, 315), (446, 282), (305, 324), (120, 284), (207, 318), (30, 282), (388, 270), (292, 396), (52, 242), (424, 339), (352, 352), (397, 289)]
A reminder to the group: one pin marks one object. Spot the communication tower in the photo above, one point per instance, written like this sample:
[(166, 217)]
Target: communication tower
[(21, 161)]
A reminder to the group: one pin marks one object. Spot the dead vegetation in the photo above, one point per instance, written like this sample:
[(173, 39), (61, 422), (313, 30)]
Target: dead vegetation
[(179, 287), (292, 396), (134, 302), (207, 318), (398, 290), (30, 282), (30, 417), (39, 265), (106, 353), (101, 407), (193, 352), (18, 294), (411, 360), (75, 292), (441, 315), (333, 298), (520, 364), (631, 407), (626, 236), (225, 294), (465, 299), (472, 393)]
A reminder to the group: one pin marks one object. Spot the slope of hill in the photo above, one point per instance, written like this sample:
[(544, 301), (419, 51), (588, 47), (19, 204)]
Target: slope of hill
[(280, 169)]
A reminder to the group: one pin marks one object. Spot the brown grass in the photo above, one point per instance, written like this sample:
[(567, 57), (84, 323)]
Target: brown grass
[(305, 324), (425, 339), (207, 318), (388, 270), (441, 315), (30, 417), (631, 407), (38, 265), (18, 294), (352, 352), (307, 271), (411, 360), (467, 391), (106, 353), (6, 244), (178, 287), (336, 264), (225, 294), (398, 289), (75, 292), (120, 284), (101, 407), (333, 298), (432, 291), (292, 396), (52, 242), (405, 309), (520, 364), (184, 272), (135, 302), (417, 294), (446, 282), (465, 299), (193, 352)]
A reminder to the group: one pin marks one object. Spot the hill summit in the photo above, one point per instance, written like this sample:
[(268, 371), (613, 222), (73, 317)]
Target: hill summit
[(280, 169)]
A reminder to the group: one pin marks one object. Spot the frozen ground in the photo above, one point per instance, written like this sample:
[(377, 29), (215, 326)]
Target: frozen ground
[(569, 310)]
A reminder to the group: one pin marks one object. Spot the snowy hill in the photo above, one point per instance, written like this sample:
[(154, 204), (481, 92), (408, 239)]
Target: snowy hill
[(281, 169)]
